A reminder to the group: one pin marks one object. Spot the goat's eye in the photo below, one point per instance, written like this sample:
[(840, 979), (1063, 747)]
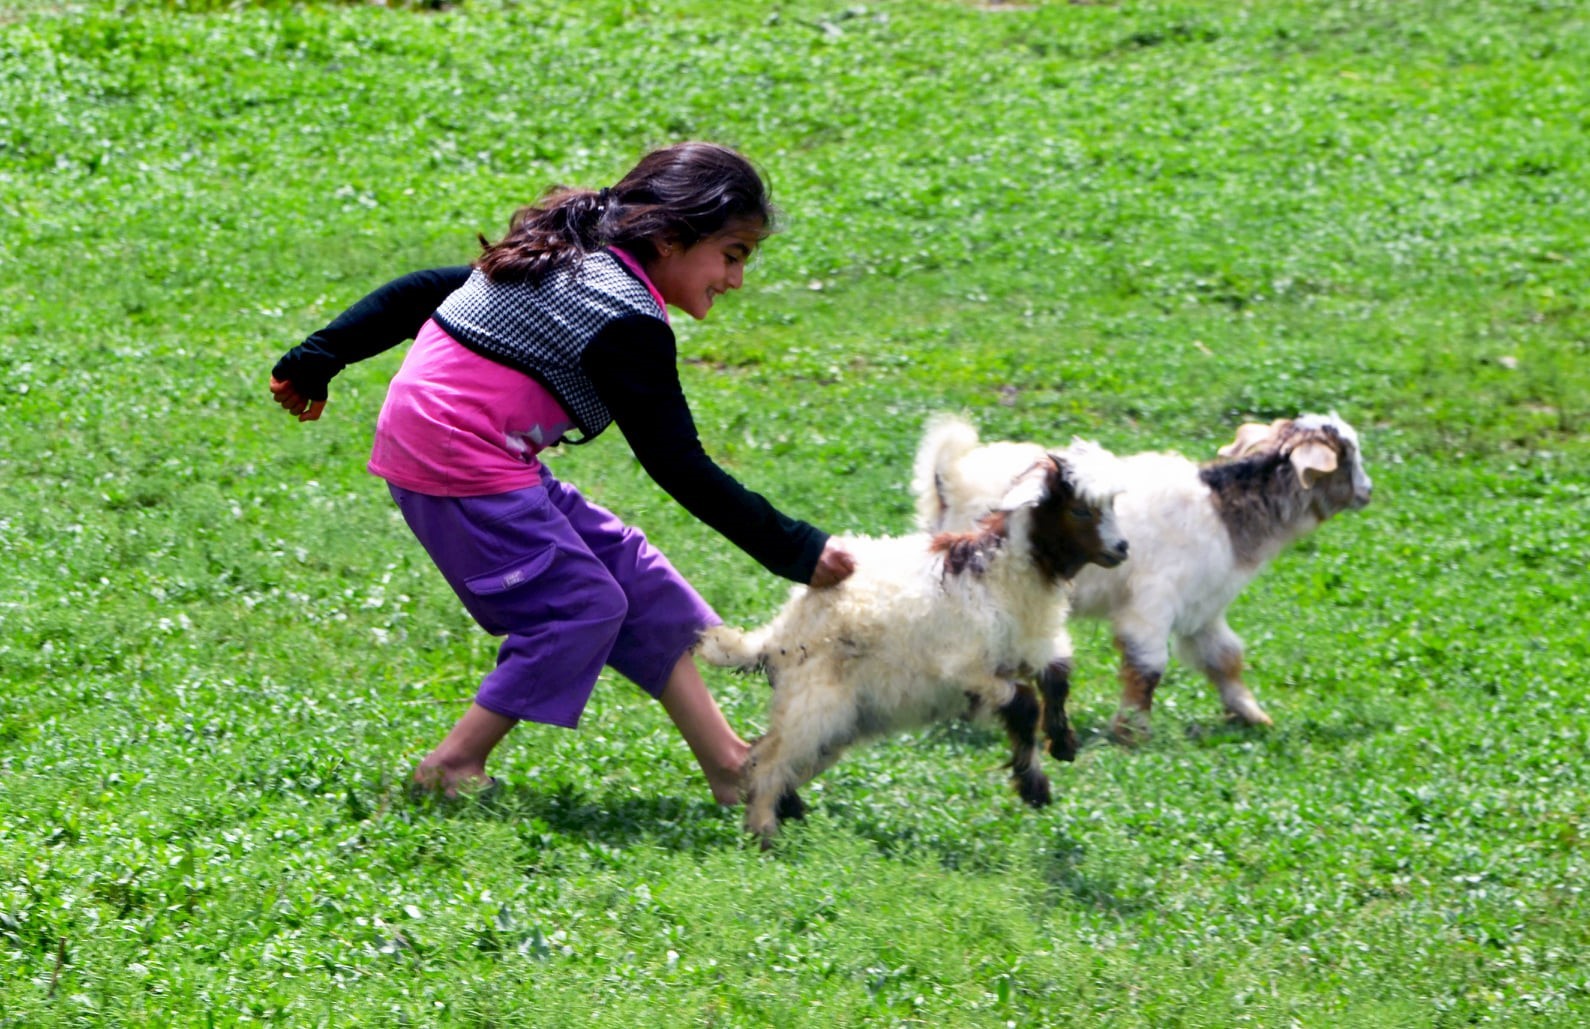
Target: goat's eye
[(1082, 513)]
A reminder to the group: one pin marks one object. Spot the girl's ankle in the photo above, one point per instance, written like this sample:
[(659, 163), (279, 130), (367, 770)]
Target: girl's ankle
[(724, 778)]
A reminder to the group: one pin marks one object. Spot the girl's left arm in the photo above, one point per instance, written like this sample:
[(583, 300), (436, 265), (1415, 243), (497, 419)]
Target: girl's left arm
[(378, 321)]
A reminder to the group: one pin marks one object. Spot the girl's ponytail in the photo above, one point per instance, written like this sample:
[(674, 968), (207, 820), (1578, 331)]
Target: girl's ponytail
[(556, 232), (679, 194)]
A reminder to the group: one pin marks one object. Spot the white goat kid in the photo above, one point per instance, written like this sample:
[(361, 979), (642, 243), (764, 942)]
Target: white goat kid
[(1199, 536), (928, 627)]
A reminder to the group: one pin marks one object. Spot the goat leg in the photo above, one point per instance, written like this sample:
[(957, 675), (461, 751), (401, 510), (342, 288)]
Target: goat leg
[(1217, 652), (778, 766), (1054, 682), (790, 805), (1138, 682), (767, 781), (1020, 716)]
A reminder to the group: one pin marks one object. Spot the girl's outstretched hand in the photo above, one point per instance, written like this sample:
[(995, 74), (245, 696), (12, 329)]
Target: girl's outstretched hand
[(833, 566), (296, 403)]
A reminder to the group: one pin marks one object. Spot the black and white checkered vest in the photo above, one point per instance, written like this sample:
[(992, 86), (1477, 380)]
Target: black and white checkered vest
[(543, 329)]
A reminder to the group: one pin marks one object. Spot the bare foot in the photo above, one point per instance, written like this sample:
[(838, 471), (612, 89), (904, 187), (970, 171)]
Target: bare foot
[(452, 780), (724, 775)]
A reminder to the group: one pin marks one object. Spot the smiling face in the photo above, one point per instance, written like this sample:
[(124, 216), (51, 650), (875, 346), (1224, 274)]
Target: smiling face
[(690, 278)]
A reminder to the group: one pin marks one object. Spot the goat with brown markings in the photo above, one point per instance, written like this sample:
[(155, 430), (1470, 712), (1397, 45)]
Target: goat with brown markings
[(1199, 536), (928, 627)]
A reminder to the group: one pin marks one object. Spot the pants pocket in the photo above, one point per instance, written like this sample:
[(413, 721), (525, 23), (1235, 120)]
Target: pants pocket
[(514, 574)]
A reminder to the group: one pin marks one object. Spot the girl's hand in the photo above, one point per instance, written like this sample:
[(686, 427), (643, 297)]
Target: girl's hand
[(833, 566), (284, 394)]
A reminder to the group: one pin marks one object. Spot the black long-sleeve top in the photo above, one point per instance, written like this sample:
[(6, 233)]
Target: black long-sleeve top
[(632, 362)]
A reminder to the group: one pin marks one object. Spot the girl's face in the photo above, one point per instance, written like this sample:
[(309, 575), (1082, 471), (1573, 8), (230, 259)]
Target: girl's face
[(690, 278)]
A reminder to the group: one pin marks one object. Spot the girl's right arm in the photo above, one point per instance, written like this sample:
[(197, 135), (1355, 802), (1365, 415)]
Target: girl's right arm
[(377, 322), (633, 364)]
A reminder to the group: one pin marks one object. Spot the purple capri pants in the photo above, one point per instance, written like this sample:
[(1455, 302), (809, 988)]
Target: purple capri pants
[(570, 586)]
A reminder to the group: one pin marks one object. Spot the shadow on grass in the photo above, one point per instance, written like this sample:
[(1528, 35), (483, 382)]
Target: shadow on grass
[(973, 737), (614, 818), (1315, 734), (1061, 871), (1210, 732), (620, 818), (1064, 871)]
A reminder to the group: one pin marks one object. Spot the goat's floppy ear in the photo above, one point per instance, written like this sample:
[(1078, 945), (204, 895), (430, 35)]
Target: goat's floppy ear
[(1249, 437), (1312, 460), (1030, 486)]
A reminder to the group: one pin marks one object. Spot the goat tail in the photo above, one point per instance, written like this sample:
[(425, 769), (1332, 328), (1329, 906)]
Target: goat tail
[(946, 439), (727, 647)]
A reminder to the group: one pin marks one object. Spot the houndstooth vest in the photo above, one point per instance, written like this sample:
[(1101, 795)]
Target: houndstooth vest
[(544, 328)]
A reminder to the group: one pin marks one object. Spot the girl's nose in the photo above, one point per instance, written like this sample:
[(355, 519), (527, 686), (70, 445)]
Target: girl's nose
[(736, 276)]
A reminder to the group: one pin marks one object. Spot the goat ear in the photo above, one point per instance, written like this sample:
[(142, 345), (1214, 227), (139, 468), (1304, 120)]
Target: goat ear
[(1312, 460), (1030, 486), (1248, 437)]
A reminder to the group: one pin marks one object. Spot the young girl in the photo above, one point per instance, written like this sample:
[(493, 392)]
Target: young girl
[(561, 329)]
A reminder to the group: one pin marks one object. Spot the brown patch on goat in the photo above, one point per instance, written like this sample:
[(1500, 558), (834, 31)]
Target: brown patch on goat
[(1219, 658), (1062, 541), (1222, 666), (1020, 715), (1138, 682), (1259, 490), (967, 552), (1054, 682)]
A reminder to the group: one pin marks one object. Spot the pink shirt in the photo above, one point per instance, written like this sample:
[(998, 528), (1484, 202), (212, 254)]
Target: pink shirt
[(456, 424)]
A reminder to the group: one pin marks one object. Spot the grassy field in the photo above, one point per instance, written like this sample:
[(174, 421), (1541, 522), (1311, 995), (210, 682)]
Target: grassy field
[(1142, 222)]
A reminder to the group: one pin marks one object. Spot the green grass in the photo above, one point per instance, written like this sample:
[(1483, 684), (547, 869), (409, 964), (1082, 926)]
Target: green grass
[(1140, 222)]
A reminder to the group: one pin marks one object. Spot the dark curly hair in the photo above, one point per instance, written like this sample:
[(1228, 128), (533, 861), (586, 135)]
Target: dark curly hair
[(678, 194)]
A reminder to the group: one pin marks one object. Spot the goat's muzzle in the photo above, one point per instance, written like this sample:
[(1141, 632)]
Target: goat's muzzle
[(1114, 556)]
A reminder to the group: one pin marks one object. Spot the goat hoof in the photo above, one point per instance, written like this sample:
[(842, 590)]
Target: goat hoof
[(1034, 789), (1130, 730), (1250, 716), (764, 833), (1064, 747), (790, 805), (760, 819)]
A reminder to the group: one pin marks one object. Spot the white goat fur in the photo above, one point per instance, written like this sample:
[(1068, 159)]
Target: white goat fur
[(908, 639), (1188, 562)]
